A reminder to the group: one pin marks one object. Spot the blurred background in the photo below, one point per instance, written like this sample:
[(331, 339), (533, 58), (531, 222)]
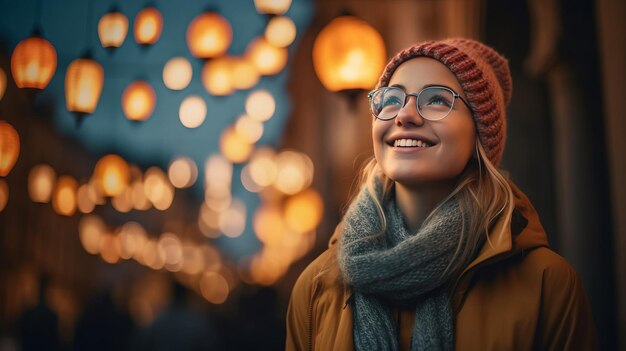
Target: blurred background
[(167, 169)]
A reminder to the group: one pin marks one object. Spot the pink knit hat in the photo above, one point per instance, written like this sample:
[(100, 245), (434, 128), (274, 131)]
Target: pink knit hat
[(484, 76)]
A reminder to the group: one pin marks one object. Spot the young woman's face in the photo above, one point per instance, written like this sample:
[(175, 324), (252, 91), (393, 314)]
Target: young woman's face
[(450, 141)]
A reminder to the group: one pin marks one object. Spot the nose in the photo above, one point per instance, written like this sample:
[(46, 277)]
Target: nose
[(408, 114)]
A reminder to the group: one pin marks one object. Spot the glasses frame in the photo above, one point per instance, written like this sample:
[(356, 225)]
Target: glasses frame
[(455, 95)]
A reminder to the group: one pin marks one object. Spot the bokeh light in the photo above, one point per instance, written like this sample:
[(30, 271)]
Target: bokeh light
[(112, 174), (266, 58), (177, 73), (138, 101), (217, 76), (280, 31), (158, 189), (249, 128), (192, 111), (214, 287), (64, 196), (295, 172), (260, 105), (244, 74), (41, 179), (9, 147), (209, 35), (90, 229), (272, 7), (86, 198), (232, 221), (183, 172), (303, 211), (234, 146)]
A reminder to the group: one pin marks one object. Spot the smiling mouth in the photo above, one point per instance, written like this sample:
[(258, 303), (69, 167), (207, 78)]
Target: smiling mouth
[(410, 143)]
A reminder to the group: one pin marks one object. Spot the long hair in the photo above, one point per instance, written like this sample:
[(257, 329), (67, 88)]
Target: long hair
[(484, 196)]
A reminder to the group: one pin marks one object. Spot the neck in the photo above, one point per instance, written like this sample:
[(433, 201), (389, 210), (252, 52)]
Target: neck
[(417, 201)]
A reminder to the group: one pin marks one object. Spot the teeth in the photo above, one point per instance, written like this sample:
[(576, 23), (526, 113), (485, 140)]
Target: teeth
[(410, 143)]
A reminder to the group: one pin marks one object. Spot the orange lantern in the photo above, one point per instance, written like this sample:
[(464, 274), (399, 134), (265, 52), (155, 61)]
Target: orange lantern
[(138, 101), (83, 85), (9, 147), (209, 35), (3, 83), (272, 7), (348, 54), (112, 175), (64, 197), (112, 29), (266, 58), (33, 63), (148, 26)]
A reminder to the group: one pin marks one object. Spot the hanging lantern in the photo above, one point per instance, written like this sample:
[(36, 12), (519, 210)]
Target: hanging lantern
[(112, 175), (138, 101), (3, 83), (83, 85), (41, 181), (209, 35), (272, 7), (148, 26), (267, 58), (33, 63), (64, 197), (177, 73), (9, 147), (348, 54), (217, 76), (112, 29)]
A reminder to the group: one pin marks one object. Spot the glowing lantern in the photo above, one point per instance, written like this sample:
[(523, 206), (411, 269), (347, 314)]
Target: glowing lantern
[(148, 26), (4, 194), (209, 35), (9, 147), (280, 31), (192, 111), (234, 146), (183, 172), (303, 212), (33, 63), (217, 76), (348, 54), (83, 85), (64, 197), (112, 29), (244, 74), (267, 58), (3, 83), (112, 175), (177, 73), (260, 105), (272, 7), (138, 101), (41, 181)]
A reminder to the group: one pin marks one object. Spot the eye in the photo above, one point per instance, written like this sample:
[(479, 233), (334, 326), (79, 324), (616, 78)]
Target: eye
[(391, 101), (439, 99)]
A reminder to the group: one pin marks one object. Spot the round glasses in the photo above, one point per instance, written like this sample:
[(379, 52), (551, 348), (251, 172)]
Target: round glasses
[(433, 103)]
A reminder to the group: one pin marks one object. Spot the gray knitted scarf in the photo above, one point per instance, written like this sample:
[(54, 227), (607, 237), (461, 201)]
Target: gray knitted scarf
[(399, 269)]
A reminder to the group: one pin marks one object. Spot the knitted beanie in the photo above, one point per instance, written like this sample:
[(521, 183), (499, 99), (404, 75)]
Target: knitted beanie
[(484, 77)]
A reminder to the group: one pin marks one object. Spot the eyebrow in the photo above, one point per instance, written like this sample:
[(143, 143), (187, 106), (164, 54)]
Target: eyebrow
[(423, 87)]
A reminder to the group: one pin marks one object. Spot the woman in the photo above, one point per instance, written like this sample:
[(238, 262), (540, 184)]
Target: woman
[(439, 250)]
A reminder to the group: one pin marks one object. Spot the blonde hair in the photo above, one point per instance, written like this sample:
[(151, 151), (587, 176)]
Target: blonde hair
[(484, 196)]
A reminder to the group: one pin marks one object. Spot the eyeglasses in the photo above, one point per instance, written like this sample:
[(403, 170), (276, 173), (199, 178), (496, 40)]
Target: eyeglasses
[(433, 103)]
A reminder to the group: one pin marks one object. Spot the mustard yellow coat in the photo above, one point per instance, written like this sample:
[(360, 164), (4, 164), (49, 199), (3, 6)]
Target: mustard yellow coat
[(516, 295)]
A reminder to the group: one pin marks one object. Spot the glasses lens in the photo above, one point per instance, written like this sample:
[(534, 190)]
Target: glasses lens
[(435, 103), (387, 102)]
